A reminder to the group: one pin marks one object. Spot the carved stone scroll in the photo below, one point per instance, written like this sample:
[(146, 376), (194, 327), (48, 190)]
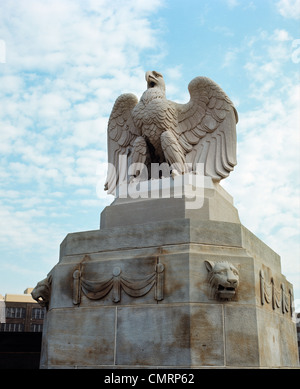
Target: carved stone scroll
[(117, 281), (159, 290), (76, 287)]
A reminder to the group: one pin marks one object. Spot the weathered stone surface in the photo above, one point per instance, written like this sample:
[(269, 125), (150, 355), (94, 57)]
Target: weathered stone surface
[(242, 348), (207, 335), (78, 337), (209, 201), (276, 334), (153, 336), (176, 231), (149, 300), (175, 335), (262, 253)]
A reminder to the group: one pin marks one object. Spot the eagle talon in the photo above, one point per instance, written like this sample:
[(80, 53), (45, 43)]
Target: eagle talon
[(175, 173), (133, 180), (155, 129)]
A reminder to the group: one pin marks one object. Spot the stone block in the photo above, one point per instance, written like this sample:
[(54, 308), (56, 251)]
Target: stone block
[(208, 202), (177, 277), (153, 336), (241, 340), (170, 336), (154, 234), (123, 238), (207, 335), (276, 350), (79, 337), (215, 233), (261, 252)]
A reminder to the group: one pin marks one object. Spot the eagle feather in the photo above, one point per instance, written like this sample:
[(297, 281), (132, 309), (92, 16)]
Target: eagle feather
[(200, 131)]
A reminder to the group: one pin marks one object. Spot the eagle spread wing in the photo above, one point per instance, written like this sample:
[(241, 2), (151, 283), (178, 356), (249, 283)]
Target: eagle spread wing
[(121, 133), (207, 128), (203, 131)]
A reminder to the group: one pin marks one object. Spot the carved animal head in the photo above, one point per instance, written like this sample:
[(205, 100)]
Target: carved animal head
[(41, 293), (155, 80), (223, 278)]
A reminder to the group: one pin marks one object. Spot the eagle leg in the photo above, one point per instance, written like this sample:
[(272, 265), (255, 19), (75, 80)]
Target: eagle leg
[(137, 167), (174, 153)]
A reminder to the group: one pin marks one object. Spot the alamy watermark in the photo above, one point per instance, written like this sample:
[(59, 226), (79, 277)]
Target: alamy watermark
[(2, 51), (133, 182)]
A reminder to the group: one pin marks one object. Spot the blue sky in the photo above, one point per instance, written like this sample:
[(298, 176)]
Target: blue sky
[(62, 65)]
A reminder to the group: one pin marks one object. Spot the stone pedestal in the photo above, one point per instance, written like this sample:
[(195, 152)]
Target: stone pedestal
[(136, 292)]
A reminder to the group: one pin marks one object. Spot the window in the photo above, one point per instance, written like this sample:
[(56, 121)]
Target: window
[(15, 312), (36, 327), (12, 327), (37, 313)]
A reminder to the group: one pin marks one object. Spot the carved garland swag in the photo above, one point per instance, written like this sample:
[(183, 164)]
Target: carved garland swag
[(277, 297), (117, 281)]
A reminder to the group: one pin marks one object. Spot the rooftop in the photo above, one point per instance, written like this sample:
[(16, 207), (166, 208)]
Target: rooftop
[(21, 298)]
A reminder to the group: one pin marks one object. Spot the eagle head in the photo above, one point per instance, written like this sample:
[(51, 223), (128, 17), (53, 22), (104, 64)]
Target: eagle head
[(155, 80)]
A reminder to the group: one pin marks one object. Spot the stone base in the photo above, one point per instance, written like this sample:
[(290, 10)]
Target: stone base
[(137, 295)]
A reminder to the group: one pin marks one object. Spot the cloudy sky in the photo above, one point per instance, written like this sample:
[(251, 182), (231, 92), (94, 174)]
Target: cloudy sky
[(64, 62)]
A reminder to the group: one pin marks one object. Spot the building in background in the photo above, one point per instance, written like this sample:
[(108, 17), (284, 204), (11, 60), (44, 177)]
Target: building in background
[(20, 313), (298, 331)]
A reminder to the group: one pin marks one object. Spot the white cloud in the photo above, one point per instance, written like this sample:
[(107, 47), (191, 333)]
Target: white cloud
[(289, 8), (66, 62), (281, 35), (265, 184), (232, 3), (230, 57), (61, 78)]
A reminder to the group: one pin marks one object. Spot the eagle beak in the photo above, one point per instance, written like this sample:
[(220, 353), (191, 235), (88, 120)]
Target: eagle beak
[(150, 75), (151, 79)]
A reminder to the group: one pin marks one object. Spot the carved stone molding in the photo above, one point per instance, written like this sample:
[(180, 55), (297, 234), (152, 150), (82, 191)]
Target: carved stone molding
[(117, 281), (223, 278), (277, 297)]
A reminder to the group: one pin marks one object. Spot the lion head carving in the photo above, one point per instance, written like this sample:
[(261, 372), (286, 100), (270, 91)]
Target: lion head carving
[(41, 293), (223, 278)]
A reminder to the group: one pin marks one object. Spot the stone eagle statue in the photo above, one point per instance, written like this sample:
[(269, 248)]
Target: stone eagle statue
[(157, 130)]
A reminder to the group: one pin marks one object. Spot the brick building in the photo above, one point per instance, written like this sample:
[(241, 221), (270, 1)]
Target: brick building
[(20, 313)]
